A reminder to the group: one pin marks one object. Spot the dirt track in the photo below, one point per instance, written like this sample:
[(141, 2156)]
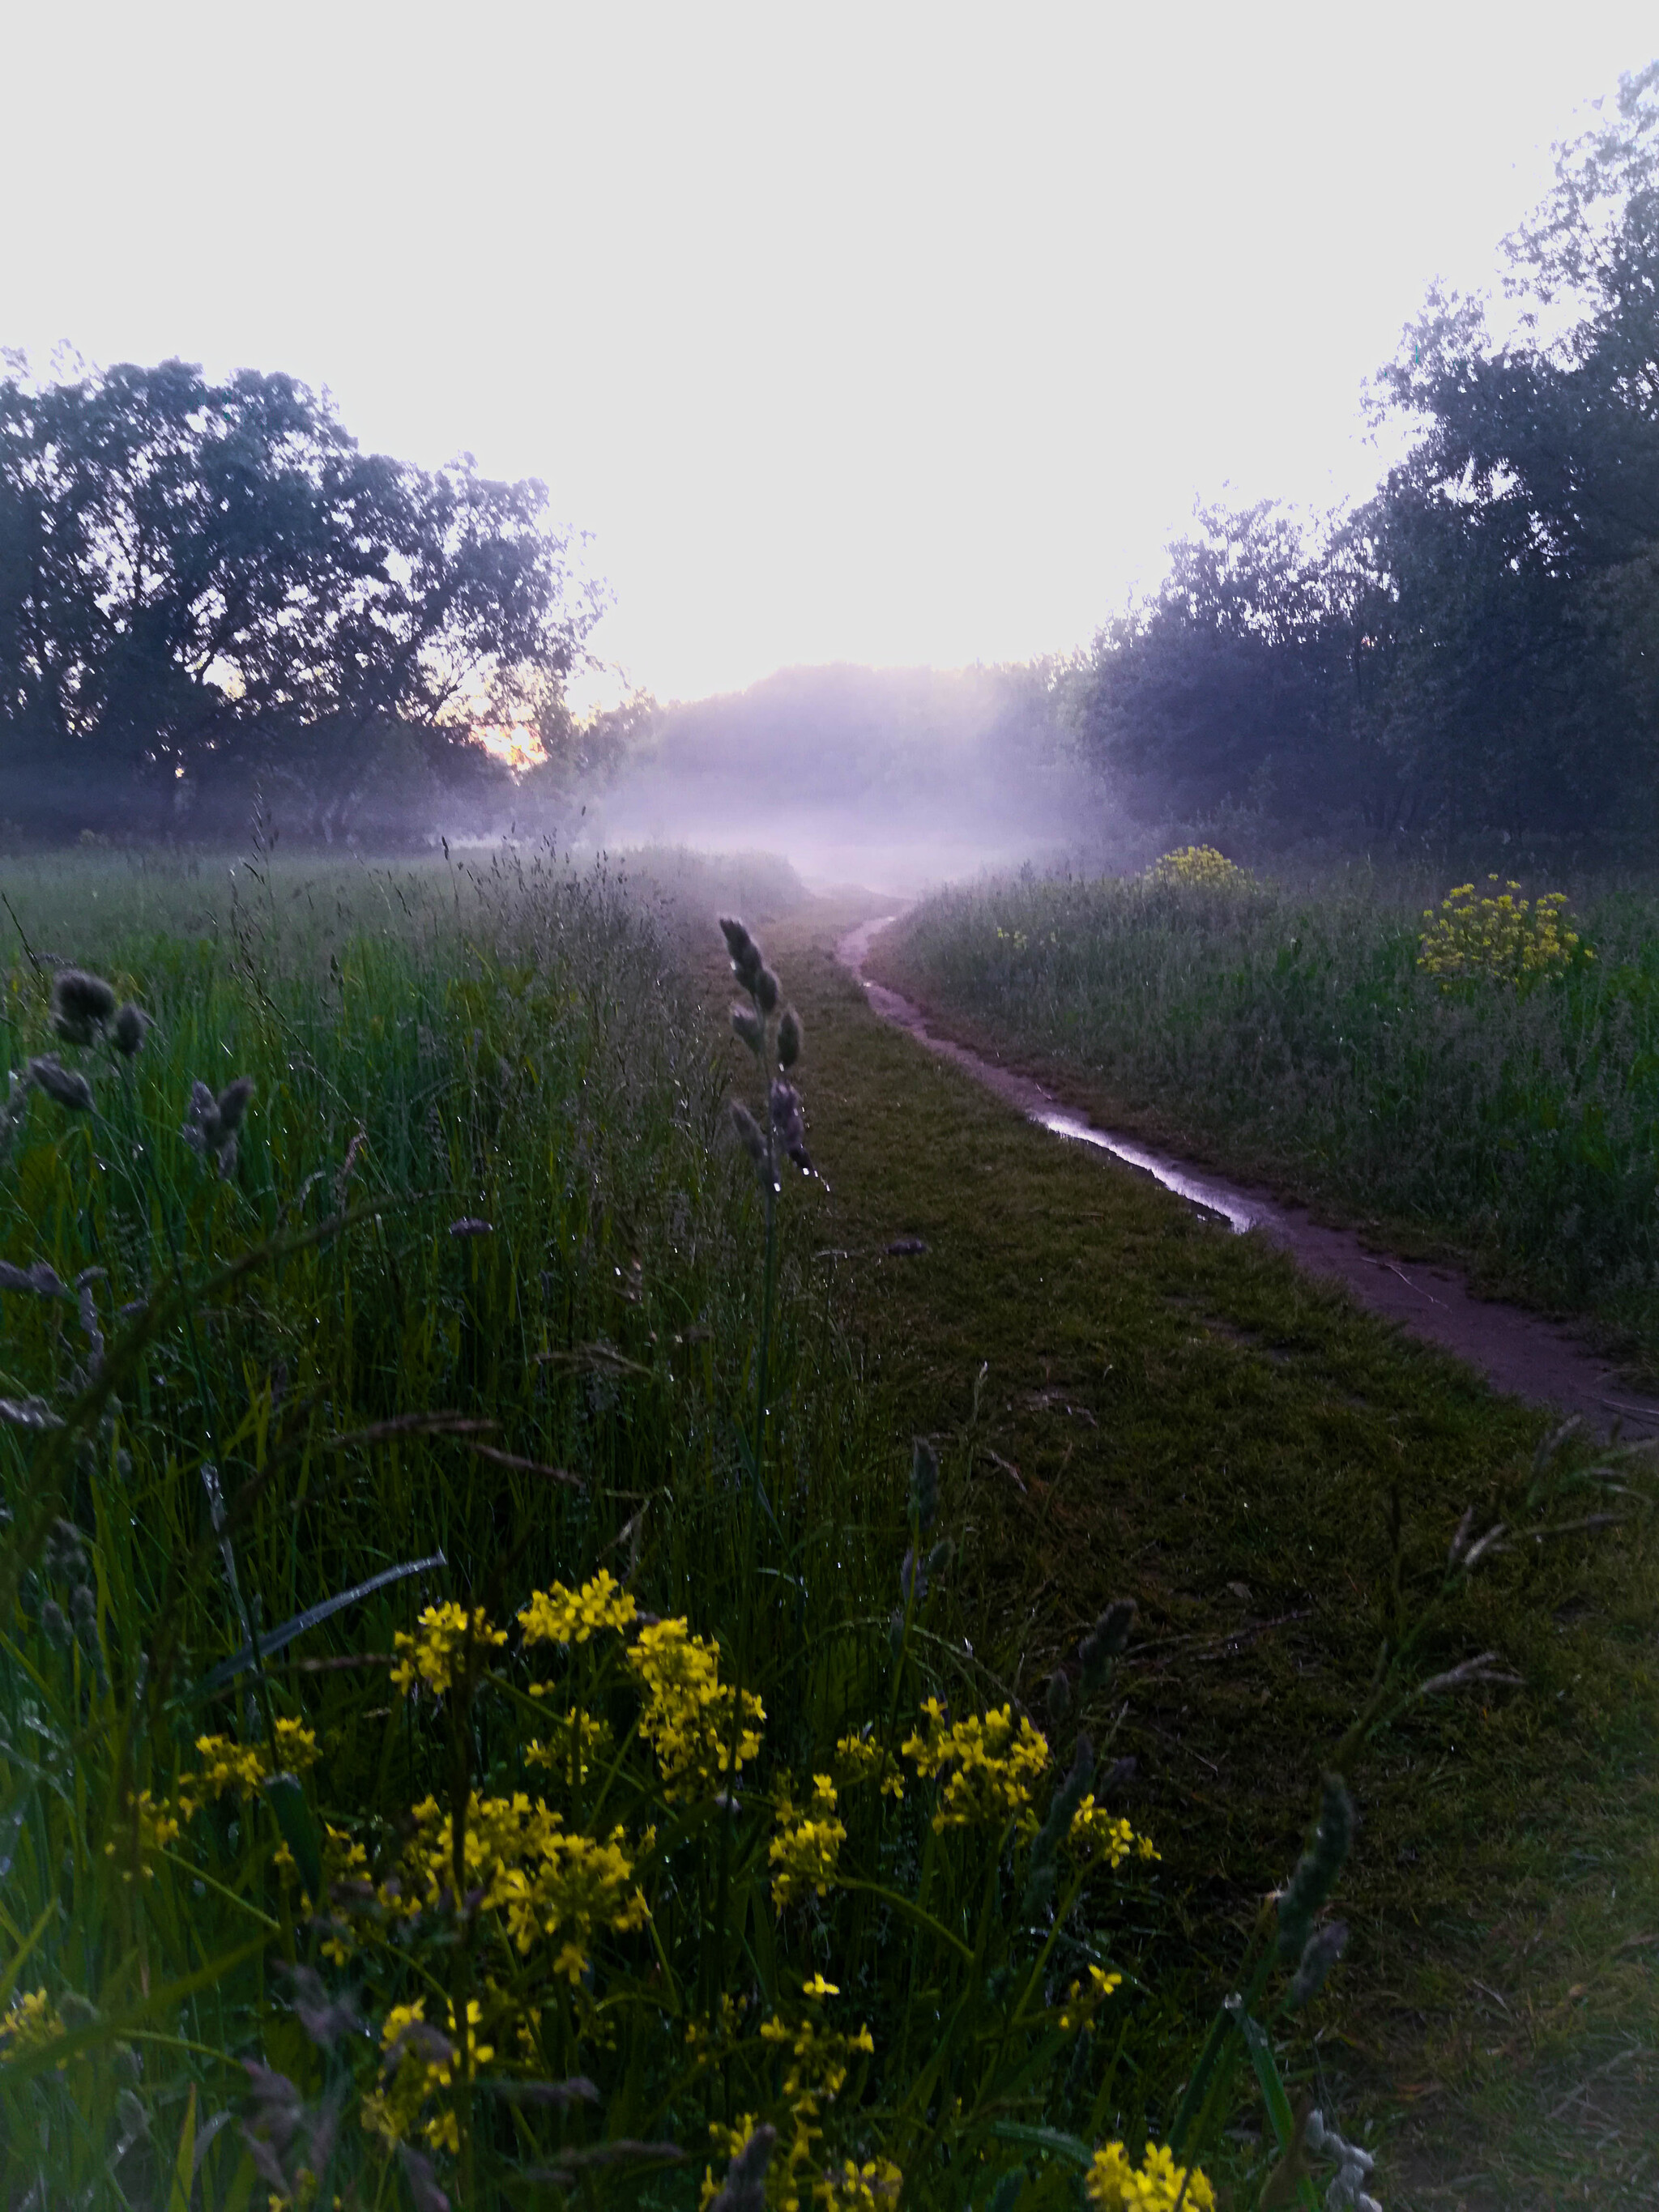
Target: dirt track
[(1519, 1352)]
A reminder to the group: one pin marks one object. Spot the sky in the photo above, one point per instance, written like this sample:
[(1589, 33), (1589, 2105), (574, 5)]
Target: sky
[(900, 333)]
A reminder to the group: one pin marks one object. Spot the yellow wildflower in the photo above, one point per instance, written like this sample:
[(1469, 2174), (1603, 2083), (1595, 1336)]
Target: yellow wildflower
[(573, 1745), (860, 1759), (869, 2188), (1499, 939), (1199, 867), (416, 2062), (1094, 1834), (228, 1765), (993, 1762), (1082, 2004), (559, 1616), (689, 1713), (817, 2065), (544, 1880), (147, 1828), (706, 2043), (437, 1652), (1155, 2186), (30, 2021), (807, 1847)]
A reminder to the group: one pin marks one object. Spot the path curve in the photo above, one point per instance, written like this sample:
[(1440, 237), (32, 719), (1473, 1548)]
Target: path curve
[(1519, 1352)]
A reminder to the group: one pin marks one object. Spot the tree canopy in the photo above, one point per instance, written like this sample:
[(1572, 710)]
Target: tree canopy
[(208, 589), (1477, 645)]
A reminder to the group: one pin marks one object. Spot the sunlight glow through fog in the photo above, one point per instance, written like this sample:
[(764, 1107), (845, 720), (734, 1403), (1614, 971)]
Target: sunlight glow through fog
[(890, 333)]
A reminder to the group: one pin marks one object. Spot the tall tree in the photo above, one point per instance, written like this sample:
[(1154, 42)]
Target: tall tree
[(205, 583)]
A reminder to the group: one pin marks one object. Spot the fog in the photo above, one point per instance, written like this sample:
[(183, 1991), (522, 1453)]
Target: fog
[(892, 779)]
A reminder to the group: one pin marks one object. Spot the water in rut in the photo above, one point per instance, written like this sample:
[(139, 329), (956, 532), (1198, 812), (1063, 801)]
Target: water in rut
[(1519, 1351)]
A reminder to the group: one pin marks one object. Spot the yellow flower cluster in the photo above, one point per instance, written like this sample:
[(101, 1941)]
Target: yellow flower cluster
[(572, 1746), (691, 1717), (816, 2070), (706, 2044), (228, 1765), (541, 1878), (148, 1825), (345, 1867), (860, 1759), (416, 2064), (565, 1616), (437, 1653), (872, 2187), (1156, 2185), (807, 1847), (1082, 2004), (29, 2022), (1199, 867), (993, 1762), (1094, 1834), (1500, 940)]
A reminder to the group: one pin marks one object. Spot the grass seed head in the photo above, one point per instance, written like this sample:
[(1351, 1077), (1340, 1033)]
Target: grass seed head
[(234, 1103), (81, 1004), (749, 1133), (132, 1024), (1319, 1955), (790, 1038), (745, 2186), (1316, 1871), (1108, 1637), (62, 1084), (789, 1124), (768, 991), (746, 962), (746, 1026)]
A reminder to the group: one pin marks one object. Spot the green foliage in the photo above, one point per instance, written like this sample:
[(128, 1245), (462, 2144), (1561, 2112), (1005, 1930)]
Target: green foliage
[(396, 1286), (1307, 1035), (1470, 649), (207, 590)]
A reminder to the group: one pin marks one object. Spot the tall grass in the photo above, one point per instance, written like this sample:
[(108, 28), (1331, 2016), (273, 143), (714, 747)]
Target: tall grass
[(1291, 1031), (473, 1726)]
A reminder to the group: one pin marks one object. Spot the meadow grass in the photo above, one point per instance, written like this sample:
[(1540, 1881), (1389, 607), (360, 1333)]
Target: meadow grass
[(1128, 1401), (718, 1781), (482, 1718), (1290, 1032)]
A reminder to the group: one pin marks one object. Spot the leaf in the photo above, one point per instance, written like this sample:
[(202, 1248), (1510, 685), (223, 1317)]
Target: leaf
[(287, 1800), (184, 2166), (1053, 2140), (227, 1670), (1289, 2128)]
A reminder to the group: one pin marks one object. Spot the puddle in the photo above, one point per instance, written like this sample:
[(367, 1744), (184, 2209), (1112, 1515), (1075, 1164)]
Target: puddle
[(1519, 1352)]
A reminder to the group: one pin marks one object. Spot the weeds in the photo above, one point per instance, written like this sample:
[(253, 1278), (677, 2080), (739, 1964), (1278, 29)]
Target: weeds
[(1329, 1042)]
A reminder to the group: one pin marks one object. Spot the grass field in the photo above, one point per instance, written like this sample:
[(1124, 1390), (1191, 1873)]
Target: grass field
[(567, 1918), (1290, 1033)]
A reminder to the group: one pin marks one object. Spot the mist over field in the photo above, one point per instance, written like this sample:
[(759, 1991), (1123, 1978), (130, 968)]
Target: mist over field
[(890, 778)]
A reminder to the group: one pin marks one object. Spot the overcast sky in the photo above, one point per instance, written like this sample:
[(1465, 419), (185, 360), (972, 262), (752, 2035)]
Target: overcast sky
[(894, 333)]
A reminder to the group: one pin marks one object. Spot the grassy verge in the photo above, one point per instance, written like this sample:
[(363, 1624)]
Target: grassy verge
[(563, 1868), (1291, 1034), (469, 1729), (1128, 1401)]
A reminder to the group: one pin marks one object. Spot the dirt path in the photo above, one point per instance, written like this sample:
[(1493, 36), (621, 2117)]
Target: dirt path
[(1519, 1351)]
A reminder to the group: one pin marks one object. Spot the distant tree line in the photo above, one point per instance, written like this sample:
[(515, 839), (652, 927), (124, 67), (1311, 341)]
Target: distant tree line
[(1476, 647), (211, 598)]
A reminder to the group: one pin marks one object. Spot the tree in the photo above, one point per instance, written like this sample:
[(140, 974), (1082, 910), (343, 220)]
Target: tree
[(1473, 646), (204, 586)]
